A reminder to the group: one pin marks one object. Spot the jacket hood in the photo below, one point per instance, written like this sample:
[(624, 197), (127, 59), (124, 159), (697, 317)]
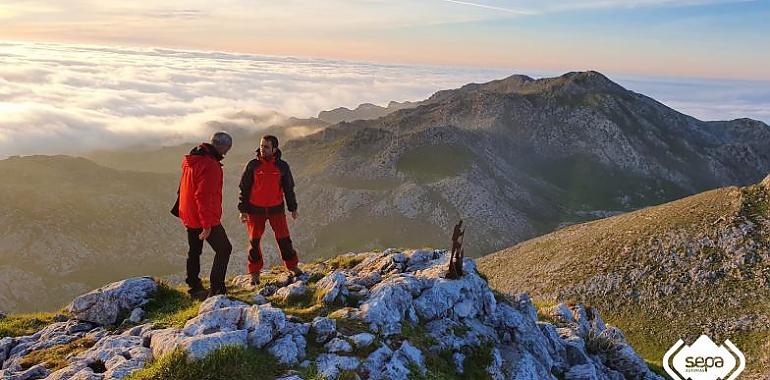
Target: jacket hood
[(202, 150)]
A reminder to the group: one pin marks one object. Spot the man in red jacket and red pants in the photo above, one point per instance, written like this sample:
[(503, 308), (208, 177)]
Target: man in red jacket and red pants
[(266, 181), (200, 208)]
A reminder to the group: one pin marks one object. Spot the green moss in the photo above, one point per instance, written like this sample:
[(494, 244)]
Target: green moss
[(24, 324), (170, 307), (461, 331), (442, 367), (348, 375), (315, 277), (311, 373), (417, 336), (227, 363), (55, 357), (349, 326), (345, 261)]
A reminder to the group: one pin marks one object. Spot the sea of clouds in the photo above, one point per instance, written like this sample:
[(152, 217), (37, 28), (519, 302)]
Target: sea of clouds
[(65, 99)]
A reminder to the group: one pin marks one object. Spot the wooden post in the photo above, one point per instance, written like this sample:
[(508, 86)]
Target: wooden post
[(456, 260)]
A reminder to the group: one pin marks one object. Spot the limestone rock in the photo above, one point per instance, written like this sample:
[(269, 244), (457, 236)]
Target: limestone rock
[(103, 306)]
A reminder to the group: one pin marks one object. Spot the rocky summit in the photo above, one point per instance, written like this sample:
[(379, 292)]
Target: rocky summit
[(375, 315)]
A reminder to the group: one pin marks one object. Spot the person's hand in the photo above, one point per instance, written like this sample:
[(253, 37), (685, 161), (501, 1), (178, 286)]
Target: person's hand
[(243, 217), (294, 214), (205, 233)]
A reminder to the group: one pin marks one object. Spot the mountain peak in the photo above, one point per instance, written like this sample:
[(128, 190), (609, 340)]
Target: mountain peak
[(591, 79), (571, 83), (513, 83)]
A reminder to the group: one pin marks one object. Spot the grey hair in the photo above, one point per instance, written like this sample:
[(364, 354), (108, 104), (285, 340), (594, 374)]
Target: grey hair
[(221, 138)]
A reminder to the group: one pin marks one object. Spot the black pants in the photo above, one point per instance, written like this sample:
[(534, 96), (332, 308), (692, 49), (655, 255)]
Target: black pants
[(222, 248)]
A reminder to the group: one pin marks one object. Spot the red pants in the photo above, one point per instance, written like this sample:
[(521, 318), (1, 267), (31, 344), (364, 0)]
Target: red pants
[(256, 227)]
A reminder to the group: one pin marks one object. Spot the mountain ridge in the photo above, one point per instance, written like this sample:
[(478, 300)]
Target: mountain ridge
[(512, 166)]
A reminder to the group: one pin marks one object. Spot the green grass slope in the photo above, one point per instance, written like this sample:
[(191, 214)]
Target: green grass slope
[(699, 265)]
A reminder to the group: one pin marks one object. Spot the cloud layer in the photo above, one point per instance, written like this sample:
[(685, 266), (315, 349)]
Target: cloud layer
[(70, 98), (67, 99)]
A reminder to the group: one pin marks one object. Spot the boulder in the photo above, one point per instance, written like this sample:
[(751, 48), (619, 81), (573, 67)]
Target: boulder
[(330, 366), (291, 292), (217, 320), (362, 340), (263, 324), (338, 345), (324, 329), (332, 288), (103, 306), (288, 349), (199, 346)]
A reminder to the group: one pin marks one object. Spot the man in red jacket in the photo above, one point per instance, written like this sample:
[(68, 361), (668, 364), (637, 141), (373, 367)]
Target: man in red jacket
[(200, 208), (265, 182)]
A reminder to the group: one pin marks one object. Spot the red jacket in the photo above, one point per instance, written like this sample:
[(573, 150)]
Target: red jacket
[(266, 187), (265, 184), (200, 189)]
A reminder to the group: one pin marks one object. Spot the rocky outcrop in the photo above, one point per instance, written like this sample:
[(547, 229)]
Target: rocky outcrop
[(103, 306), (408, 314)]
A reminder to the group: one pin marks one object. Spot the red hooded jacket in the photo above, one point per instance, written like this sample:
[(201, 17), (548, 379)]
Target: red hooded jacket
[(200, 188), (265, 184)]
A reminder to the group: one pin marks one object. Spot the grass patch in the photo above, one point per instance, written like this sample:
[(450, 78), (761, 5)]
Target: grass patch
[(350, 326), (345, 261), (55, 357), (227, 363), (597, 343), (417, 336), (24, 324), (170, 307), (305, 307), (442, 367), (755, 202), (311, 373), (431, 163), (315, 277)]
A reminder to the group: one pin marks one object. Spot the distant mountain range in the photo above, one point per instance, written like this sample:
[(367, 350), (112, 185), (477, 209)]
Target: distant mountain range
[(363, 112), (698, 265), (514, 158)]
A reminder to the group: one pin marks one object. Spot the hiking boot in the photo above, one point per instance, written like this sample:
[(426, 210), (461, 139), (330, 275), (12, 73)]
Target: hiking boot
[(296, 271), (216, 291), (198, 294), (196, 286), (255, 278)]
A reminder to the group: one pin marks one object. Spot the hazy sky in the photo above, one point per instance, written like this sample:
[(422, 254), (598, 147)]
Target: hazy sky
[(694, 38), (81, 74), (64, 98)]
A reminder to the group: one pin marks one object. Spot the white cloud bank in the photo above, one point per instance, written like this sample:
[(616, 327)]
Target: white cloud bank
[(67, 99)]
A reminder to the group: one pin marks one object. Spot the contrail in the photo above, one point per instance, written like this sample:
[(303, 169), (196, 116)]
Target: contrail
[(515, 11)]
